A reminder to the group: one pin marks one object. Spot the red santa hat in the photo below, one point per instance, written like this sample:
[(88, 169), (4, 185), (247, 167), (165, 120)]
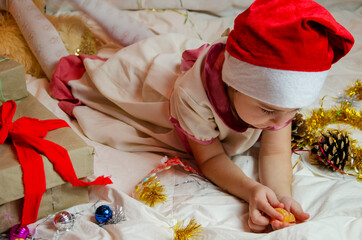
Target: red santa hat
[(280, 51)]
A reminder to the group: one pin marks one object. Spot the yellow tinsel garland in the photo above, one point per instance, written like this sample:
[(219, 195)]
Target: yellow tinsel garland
[(151, 192), (356, 162), (344, 114), (191, 231), (321, 118), (355, 91)]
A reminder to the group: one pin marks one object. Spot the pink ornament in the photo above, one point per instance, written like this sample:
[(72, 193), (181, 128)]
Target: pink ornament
[(18, 232)]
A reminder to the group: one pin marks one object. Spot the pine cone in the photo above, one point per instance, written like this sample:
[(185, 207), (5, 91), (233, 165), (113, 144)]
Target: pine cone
[(299, 131), (333, 149)]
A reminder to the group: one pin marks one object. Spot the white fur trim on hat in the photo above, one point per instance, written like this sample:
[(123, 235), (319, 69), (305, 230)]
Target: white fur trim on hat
[(281, 88)]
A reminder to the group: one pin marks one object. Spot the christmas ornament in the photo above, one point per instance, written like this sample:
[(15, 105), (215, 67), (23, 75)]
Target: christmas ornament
[(150, 191), (287, 216), (19, 232), (352, 94), (117, 216), (64, 221), (355, 91), (104, 214), (356, 161), (27, 136), (333, 149), (190, 231), (299, 131), (321, 118), (318, 122)]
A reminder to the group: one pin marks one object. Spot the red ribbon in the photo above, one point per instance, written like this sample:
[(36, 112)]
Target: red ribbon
[(27, 136)]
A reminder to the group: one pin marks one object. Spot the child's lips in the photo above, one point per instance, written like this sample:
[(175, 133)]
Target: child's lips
[(263, 126)]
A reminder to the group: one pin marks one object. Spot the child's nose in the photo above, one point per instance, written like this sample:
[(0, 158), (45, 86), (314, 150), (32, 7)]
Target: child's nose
[(282, 118), (278, 122)]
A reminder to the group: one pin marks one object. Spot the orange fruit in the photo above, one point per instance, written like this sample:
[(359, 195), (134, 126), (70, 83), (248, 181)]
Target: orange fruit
[(287, 216)]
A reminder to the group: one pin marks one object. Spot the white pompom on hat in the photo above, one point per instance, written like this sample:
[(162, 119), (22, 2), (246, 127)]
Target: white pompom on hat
[(280, 51)]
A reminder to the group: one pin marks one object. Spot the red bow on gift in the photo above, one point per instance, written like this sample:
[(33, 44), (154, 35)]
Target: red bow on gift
[(27, 136)]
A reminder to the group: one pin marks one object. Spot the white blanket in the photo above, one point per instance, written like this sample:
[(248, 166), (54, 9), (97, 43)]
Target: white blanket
[(334, 203)]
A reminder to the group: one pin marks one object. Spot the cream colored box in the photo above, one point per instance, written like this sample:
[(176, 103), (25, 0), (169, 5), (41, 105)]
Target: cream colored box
[(12, 80), (59, 195)]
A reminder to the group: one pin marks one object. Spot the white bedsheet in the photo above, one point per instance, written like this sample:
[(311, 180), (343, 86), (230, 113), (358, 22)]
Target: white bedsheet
[(335, 205)]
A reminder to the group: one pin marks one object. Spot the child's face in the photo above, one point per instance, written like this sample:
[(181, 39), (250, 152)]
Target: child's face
[(259, 114)]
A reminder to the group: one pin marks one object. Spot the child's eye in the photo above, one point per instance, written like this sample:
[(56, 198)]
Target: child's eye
[(267, 111)]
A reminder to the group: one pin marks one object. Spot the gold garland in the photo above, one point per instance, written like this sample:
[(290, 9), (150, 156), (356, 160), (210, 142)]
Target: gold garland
[(344, 114), (151, 192), (191, 231), (321, 118), (356, 162), (355, 91)]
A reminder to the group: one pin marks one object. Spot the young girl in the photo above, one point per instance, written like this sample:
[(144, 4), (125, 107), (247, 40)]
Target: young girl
[(229, 94)]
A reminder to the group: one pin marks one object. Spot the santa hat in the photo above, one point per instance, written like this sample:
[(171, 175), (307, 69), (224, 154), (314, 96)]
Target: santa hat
[(280, 51)]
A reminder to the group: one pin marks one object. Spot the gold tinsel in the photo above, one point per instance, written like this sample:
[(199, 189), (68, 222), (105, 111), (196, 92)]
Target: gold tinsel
[(357, 160), (151, 192), (321, 118), (88, 44), (344, 114), (191, 231), (355, 91)]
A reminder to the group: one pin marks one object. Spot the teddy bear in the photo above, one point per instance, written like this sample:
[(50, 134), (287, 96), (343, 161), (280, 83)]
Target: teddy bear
[(76, 36)]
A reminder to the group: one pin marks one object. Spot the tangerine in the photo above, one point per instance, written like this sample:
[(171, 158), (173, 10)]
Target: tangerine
[(287, 216)]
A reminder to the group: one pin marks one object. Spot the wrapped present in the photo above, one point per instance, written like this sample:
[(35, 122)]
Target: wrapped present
[(59, 194), (12, 80), (53, 200)]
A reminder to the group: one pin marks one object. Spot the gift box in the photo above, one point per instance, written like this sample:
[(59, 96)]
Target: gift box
[(12, 80), (59, 194)]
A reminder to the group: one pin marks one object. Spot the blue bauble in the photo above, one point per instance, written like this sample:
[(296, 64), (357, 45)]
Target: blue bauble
[(103, 214)]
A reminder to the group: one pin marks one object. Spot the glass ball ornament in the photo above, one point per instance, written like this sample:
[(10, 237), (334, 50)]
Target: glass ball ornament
[(64, 221), (18, 232), (103, 214)]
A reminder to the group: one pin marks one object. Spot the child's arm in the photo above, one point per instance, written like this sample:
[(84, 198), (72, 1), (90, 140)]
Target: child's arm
[(275, 170), (218, 167)]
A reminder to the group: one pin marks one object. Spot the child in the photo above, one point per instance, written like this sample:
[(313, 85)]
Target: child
[(243, 87)]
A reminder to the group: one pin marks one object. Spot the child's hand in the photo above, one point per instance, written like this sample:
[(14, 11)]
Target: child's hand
[(294, 207), (262, 201)]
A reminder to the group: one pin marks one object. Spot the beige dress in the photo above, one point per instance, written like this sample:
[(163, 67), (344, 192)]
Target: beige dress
[(124, 101)]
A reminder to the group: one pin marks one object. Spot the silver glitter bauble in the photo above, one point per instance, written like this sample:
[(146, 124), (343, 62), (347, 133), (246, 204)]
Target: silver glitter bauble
[(64, 221)]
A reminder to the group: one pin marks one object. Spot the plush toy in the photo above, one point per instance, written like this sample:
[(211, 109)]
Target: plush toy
[(75, 35)]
